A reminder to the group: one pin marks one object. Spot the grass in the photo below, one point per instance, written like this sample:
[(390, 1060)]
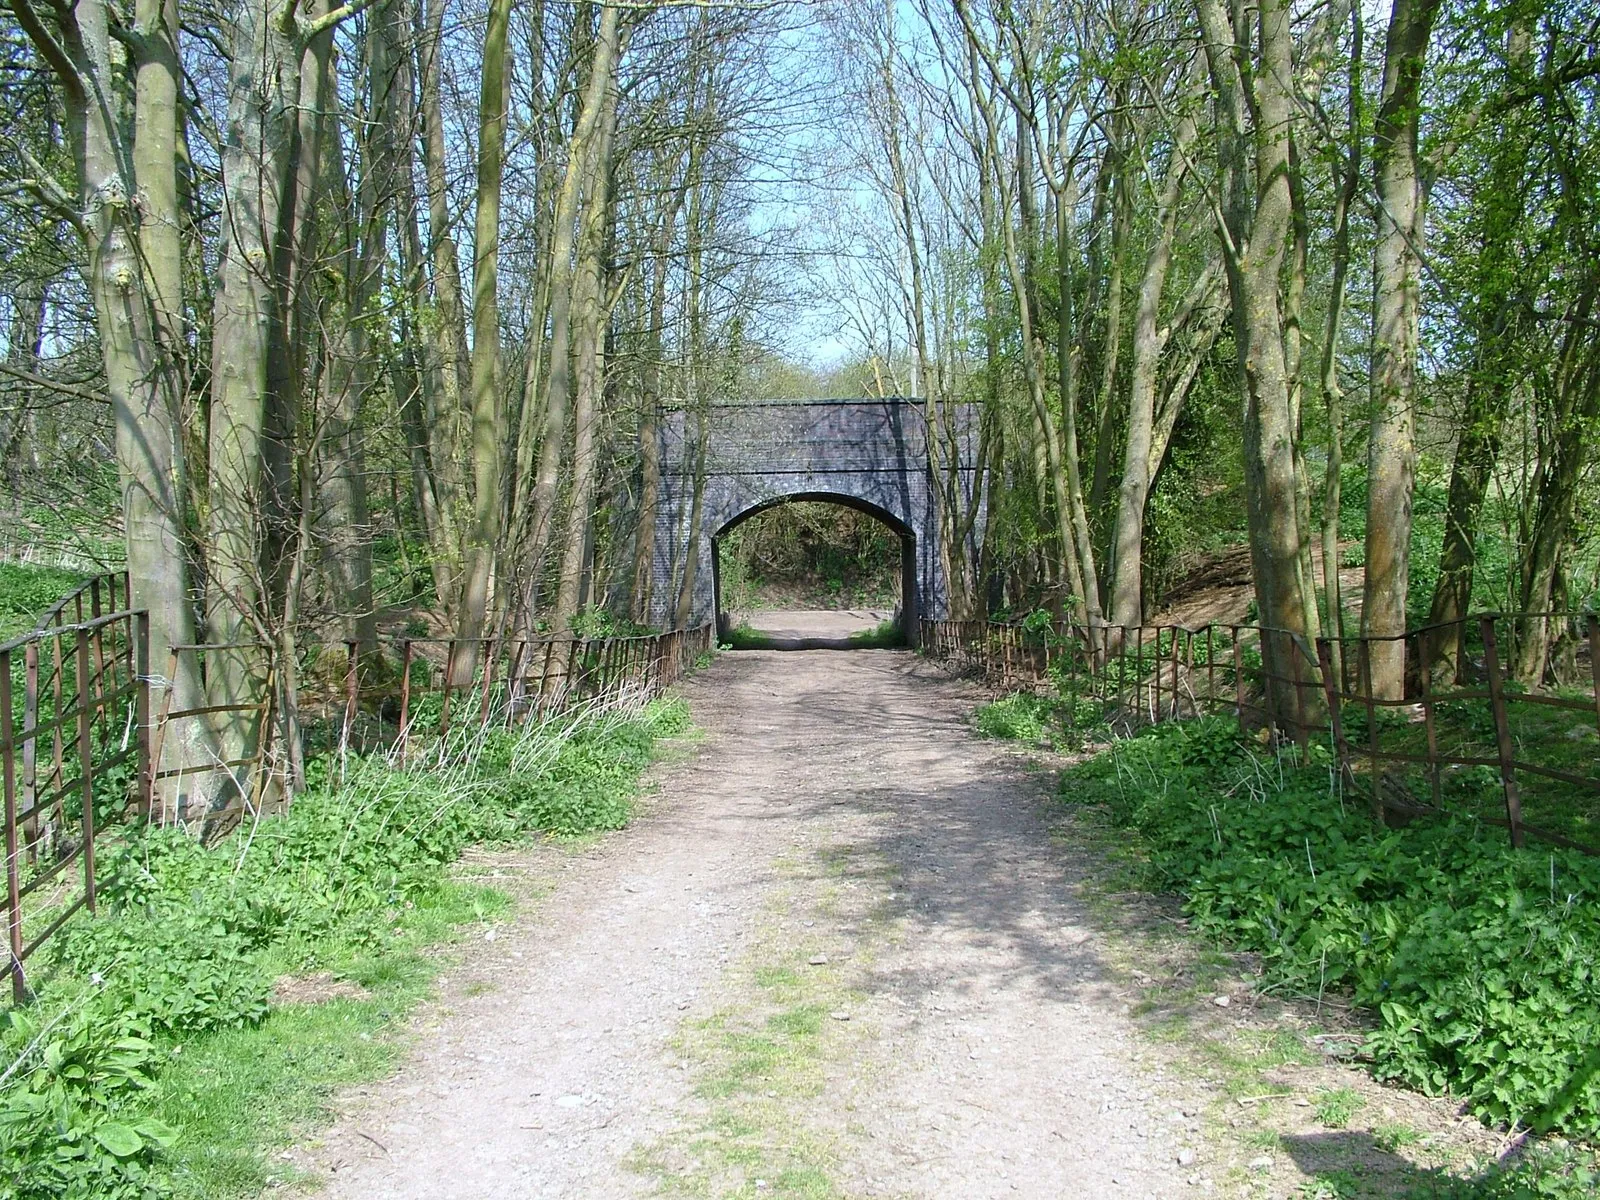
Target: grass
[(1061, 722), (886, 635), (156, 1062), (26, 591), (1180, 809), (1336, 1106), (769, 1119), (754, 1065), (743, 637), (241, 1093)]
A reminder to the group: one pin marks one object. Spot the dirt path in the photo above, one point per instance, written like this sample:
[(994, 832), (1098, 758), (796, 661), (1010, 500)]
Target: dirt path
[(837, 955), (811, 623)]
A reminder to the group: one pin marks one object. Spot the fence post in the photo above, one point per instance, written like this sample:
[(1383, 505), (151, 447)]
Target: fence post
[(1238, 680), (1425, 678), (544, 676), (490, 661), (161, 729), (1211, 665), (514, 680), (352, 657), (1155, 686), (405, 697), (1594, 661), (57, 779), (264, 742), (1331, 689), (1188, 661), (141, 714), (449, 678), (30, 742), (86, 765), (1502, 730), (19, 985), (1072, 676), (99, 643)]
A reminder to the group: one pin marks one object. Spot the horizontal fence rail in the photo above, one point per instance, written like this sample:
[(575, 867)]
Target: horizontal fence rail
[(75, 755), (1462, 738), (87, 731), (502, 681)]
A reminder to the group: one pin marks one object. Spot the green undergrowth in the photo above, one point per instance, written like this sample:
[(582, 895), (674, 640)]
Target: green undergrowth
[(884, 635), (745, 637), (155, 1060), (27, 591), (1060, 722), (1478, 963)]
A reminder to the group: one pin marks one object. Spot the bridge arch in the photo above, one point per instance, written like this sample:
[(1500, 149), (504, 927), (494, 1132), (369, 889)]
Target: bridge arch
[(724, 465), (896, 524)]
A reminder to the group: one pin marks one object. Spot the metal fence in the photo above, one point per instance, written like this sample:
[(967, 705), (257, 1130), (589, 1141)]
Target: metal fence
[(510, 681), (1462, 738), (84, 724), (74, 754)]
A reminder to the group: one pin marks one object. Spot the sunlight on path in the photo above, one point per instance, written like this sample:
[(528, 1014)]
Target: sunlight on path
[(835, 956)]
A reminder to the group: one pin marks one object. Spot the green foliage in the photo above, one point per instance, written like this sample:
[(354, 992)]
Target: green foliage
[(1023, 717), (809, 554), (1542, 1173), (1038, 720), (595, 622), (190, 937), (1478, 962), (1336, 1106), (884, 634), (26, 591), (744, 637)]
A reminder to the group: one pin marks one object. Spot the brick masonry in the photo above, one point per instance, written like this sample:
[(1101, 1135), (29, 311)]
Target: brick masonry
[(869, 454)]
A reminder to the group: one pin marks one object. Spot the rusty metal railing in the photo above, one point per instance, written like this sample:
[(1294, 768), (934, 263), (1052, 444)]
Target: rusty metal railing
[(84, 724), (74, 754), (514, 680), (1462, 737)]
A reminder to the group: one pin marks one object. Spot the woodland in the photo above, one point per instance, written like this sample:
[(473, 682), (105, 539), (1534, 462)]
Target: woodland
[(316, 313), (350, 322)]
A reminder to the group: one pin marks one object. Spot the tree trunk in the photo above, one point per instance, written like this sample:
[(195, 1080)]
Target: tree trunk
[(446, 380), (1576, 388), (1126, 600), (484, 534), (1255, 215), (131, 295), (558, 388), (1391, 446), (258, 157), (649, 418), (1497, 322), (423, 372), (589, 351), (1348, 177)]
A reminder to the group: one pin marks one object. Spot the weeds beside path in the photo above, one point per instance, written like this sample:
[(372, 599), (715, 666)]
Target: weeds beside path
[(836, 955)]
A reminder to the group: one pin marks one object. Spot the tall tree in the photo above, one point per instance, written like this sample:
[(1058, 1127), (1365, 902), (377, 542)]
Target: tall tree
[(1391, 444)]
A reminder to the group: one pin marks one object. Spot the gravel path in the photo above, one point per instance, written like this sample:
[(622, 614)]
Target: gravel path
[(837, 955)]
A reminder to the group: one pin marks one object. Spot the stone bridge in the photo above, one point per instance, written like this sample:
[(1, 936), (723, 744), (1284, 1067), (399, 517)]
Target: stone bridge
[(871, 455)]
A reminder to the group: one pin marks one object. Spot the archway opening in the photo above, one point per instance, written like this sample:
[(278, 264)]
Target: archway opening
[(815, 571)]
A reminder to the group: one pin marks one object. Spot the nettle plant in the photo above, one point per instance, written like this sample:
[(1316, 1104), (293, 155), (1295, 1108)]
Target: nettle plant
[(1479, 963), (184, 943)]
